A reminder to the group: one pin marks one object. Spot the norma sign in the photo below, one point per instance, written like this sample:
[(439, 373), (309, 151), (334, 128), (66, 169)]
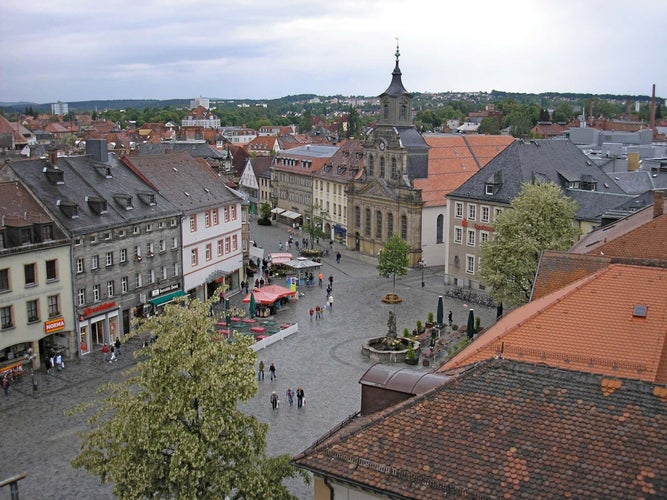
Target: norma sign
[(54, 325)]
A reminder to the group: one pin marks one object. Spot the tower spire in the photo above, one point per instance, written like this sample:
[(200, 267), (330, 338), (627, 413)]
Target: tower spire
[(398, 53)]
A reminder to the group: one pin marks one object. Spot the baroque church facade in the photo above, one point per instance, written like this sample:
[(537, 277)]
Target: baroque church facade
[(384, 200)]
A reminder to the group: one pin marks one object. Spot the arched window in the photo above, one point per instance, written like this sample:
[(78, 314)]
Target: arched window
[(371, 165), (394, 171), (404, 227), (403, 112), (439, 228), (390, 225), (382, 167), (367, 229), (385, 111), (378, 224), (357, 217)]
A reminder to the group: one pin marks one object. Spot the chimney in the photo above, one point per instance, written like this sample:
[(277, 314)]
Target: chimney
[(658, 203), (53, 156), (653, 109)]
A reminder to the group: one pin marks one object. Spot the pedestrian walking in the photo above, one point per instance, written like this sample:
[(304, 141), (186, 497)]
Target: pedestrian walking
[(59, 362), (6, 385), (290, 396), (260, 372), (321, 277), (449, 317), (331, 281), (47, 363), (330, 302), (112, 349), (280, 245), (329, 290), (105, 353), (272, 372), (300, 398), (338, 256), (312, 312), (318, 312), (274, 400), (117, 344)]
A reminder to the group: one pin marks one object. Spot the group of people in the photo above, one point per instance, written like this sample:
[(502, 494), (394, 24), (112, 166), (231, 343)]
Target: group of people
[(317, 311), (54, 360), (300, 396), (272, 372), (111, 352)]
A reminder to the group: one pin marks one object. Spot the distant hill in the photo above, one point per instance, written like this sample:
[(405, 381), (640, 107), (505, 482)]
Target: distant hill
[(117, 104)]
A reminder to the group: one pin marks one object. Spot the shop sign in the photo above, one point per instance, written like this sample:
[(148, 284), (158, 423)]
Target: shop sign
[(102, 307), (160, 291), (482, 227), (54, 325)]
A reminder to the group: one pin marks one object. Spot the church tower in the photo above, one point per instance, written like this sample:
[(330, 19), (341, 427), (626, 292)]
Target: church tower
[(384, 200), (396, 102)]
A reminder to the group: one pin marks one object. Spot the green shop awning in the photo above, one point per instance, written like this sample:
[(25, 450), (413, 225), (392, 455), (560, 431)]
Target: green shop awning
[(159, 301)]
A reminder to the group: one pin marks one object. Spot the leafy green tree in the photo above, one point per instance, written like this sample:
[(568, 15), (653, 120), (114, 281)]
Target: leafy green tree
[(172, 428), (393, 260), (354, 125), (313, 226), (265, 214), (563, 113), (540, 218), (489, 126), (306, 124)]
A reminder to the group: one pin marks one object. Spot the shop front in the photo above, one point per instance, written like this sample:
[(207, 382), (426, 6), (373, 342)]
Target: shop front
[(98, 325), (163, 296), (57, 339)]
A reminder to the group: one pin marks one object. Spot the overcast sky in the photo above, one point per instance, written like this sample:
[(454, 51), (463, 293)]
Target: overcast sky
[(74, 50)]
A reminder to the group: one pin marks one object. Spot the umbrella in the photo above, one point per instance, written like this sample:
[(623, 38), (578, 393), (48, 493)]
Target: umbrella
[(441, 312), (253, 305), (471, 324)]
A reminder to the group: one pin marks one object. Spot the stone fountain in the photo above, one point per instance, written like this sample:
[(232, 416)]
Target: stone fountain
[(390, 348)]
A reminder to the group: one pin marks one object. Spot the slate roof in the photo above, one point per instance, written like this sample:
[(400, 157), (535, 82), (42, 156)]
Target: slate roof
[(83, 178), (507, 429), (188, 183), (453, 159), (593, 325), (555, 160), (346, 164)]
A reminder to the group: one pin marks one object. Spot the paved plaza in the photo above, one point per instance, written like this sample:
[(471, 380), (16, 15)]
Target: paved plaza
[(323, 357)]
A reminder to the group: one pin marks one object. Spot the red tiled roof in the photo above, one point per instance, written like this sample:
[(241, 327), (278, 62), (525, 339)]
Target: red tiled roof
[(453, 159), (589, 325), (506, 429)]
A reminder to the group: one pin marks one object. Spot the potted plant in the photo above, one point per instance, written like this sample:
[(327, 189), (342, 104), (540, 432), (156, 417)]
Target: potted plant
[(411, 357), (430, 322), (406, 332), (420, 326)]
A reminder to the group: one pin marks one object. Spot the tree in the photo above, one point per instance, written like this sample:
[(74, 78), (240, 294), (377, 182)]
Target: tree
[(489, 126), (354, 126), (393, 260), (172, 428), (313, 226), (264, 215), (306, 124), (540, 218)]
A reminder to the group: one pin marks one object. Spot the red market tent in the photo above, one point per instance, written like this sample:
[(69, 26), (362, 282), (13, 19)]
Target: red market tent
[(270, 294)]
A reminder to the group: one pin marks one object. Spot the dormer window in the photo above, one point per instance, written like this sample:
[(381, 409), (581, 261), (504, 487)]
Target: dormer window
[(148, 198), (327, 167), (488, 189), (124, 200), (105, 170), (69, 208), (54, 175), (97, 205), (341, 170)]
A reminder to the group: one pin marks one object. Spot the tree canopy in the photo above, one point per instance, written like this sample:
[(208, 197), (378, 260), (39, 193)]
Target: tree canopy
[(540, 218), (393, 260), (172, 428)]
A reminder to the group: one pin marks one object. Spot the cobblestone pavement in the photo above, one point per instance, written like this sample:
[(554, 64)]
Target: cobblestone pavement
[(323, 357)]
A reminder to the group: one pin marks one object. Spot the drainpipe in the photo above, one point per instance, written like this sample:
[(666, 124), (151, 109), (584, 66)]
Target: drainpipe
[(331, 490)]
